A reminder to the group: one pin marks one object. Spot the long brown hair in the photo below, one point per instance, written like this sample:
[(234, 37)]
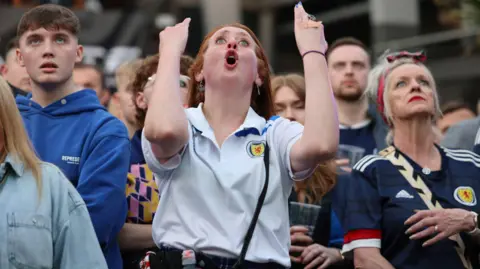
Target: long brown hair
[(324, 177), (16, 142), (262, 104)]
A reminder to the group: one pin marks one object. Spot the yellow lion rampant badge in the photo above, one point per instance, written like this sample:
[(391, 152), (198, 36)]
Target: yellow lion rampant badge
[(465, 195), (256, 148)]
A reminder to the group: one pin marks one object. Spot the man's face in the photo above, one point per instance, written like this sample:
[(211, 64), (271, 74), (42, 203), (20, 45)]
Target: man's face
[(89, 78), (348, 66), (14, 73), (453, 118), (49, 55)]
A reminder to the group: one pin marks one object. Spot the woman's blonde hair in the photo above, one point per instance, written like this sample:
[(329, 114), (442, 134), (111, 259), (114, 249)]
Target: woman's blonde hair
[(385, 68), (124, 74), (16, 141), (324, 177)]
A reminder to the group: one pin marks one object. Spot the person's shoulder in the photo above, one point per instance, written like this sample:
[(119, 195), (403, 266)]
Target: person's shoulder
[(58, 185), (467, 127), (369, 163), (105, 124), (462, 157)]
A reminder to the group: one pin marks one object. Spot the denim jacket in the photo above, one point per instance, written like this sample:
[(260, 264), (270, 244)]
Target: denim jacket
[(50, 231)]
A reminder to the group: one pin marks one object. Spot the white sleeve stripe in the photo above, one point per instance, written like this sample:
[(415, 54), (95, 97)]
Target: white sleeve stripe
[(463, 153), (362, 166), (362, 161), (362, 169), (477, 137), (362, 243), (464, 159)]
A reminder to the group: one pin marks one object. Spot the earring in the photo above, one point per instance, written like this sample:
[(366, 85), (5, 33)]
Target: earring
[(258, 89), (201, 86)]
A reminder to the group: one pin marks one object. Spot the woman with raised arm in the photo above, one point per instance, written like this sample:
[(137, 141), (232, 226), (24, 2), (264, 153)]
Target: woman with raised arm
[(210, 159), (413, 206)]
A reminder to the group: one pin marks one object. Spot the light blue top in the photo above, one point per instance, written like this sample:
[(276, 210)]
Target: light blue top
[(51, 231)]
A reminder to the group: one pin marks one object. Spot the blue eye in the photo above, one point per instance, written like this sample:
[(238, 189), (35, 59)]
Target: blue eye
[(424, 82), (60, 40), (244, 43), (34, 42), (220, 40), (400, 84), (183, 84)]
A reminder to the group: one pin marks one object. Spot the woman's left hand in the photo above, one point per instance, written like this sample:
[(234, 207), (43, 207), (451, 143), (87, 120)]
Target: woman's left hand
[(318, 256), (309, 34), (439, 223)]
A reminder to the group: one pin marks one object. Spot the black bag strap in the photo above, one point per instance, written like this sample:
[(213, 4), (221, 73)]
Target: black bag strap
[(261, 199)]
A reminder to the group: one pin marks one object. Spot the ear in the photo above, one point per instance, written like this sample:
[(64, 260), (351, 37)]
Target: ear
[(19, 57), (3, 69), (258, 81), (106, 96), (199, 77), (141, 101), (79, 57)]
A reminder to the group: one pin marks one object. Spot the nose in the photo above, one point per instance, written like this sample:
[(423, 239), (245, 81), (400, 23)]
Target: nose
[(349, 69), (289, 114), (415, 87), (47, 49), (232, 44)]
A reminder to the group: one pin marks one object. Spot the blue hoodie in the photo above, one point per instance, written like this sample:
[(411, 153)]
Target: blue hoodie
[(92, 148)]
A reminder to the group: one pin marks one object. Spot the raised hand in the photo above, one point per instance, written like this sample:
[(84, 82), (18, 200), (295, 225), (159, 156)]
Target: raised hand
[(309, 34), (173, 39)]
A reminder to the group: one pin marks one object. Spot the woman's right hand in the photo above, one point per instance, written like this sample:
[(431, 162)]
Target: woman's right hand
[(174, 38), (299, 242)]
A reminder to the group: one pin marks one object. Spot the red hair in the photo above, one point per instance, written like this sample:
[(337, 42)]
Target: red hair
[(262, 104)]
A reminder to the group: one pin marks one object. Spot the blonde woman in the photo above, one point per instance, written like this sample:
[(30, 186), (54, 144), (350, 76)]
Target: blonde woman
[(413, 206), (289, 102), (45, 221), (121, 105)]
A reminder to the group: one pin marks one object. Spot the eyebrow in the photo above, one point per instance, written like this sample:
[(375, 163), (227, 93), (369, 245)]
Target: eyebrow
[(32, 36), (239, 33)]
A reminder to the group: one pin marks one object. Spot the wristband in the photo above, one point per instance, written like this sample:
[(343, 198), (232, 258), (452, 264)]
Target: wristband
[(313, 51)]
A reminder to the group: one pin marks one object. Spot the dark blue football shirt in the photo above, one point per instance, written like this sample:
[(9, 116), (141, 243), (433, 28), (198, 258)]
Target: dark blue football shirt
[(379, 200)]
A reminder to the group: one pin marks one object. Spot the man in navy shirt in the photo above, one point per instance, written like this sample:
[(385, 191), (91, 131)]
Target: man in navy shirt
[(360, 124), (67, 124)]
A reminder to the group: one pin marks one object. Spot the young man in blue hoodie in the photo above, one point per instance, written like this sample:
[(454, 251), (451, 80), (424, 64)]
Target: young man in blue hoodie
[(67, 124)]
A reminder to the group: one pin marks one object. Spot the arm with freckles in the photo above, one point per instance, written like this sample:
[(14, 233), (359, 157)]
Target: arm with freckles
[(166, 124), (321, 135)]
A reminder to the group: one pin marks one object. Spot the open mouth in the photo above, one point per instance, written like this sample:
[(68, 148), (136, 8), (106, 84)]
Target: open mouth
[(48, 65), (231, 59)]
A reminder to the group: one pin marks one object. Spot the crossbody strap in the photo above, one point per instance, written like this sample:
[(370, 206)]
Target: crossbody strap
[(261, 199), (416, 181)]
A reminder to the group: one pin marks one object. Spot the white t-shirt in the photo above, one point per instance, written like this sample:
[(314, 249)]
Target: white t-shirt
[(208, 194)]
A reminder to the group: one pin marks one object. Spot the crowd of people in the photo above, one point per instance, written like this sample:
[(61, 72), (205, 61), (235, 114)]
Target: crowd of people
[(200, 162)]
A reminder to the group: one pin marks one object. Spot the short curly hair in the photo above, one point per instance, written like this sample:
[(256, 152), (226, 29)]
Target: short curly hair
[(147, 69)]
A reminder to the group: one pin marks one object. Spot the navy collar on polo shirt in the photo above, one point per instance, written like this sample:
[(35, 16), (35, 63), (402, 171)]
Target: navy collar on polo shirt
[(253, 123)]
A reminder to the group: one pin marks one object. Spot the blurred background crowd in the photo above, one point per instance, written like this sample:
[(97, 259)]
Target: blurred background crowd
[(114, 32), (121, 40)]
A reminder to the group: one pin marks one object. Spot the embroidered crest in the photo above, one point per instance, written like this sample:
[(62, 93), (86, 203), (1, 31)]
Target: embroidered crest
[(256, 148), (465, 196)]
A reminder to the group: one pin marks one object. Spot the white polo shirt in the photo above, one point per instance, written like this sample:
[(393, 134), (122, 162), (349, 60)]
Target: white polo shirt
[(208, 194)]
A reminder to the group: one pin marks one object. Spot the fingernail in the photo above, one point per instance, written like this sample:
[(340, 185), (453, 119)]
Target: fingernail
[(412, 237)]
